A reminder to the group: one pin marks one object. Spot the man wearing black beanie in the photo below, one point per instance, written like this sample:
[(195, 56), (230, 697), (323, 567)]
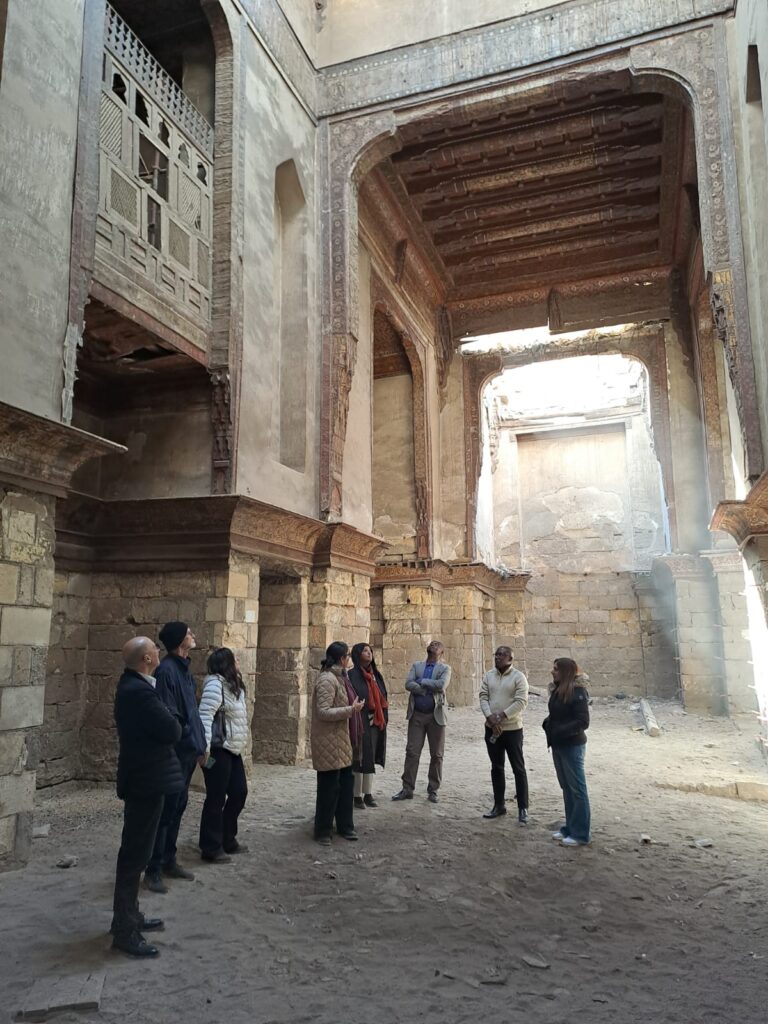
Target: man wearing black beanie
[(176, 688)]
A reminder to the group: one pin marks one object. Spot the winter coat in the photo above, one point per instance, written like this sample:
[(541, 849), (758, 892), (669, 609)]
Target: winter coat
[(566, 724), (415, 683), (372, 753), (176, 687), (147, 731), (216, 689), (507, 693), (331, 711)]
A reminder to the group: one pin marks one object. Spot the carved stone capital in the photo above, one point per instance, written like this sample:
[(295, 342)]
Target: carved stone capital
[(681, 566), (200, 533), (444, 575), (42, 455), (745, 519)]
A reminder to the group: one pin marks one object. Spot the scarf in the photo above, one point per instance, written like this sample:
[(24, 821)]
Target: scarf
[(377, 702), (356, 721)]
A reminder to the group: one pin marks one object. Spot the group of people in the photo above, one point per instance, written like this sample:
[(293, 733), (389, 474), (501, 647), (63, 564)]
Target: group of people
[(349, 720), (164, 734)]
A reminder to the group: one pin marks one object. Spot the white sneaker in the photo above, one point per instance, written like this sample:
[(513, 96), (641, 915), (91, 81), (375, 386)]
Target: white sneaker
[(570, 841), (557, 836)]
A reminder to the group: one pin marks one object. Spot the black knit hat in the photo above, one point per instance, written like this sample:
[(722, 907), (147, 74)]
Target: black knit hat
[(172, 634)]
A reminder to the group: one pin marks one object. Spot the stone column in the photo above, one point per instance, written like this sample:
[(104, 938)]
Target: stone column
[(280, 714), (411, 617), (26, 596), (462, 634), (728, 569), (697, 630)]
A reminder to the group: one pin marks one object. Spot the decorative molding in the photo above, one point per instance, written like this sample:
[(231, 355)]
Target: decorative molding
[(504, 47), (221, 418), (162, 534), (747, 519), (42, 455), (444, 349), (444, 575), (681, 566)]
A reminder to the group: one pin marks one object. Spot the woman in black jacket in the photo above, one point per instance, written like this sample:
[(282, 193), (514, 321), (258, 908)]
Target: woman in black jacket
[(369, 685), (566, 727)]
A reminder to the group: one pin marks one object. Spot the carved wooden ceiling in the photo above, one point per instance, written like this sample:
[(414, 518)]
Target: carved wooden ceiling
[(581, 184)]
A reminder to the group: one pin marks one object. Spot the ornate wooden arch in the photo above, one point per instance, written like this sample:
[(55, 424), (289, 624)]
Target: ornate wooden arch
[(690, 63)]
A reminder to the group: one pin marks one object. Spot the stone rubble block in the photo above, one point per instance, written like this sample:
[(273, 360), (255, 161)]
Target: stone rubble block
[(21, 707), (31, 626)]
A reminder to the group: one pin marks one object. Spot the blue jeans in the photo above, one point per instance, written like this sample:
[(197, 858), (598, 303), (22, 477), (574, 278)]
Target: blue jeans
[(569, 765)]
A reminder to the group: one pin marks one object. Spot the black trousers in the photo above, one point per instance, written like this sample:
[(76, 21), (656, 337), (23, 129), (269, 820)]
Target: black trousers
[(164, 852), (225, 793), (334, 800), (511, 744), (140, 820)]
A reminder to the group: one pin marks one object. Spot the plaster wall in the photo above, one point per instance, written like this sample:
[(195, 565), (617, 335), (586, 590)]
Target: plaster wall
[(484, 532), (353, 29), (687, 444), (749, 28), (305, 18), (357, 469), (168, 453), (450, 529), (394, 491), (38, 129), (574, 500), (277, 129)]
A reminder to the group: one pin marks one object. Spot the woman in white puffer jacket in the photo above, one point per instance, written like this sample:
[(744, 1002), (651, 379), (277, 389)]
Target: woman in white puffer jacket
[(226, 788)]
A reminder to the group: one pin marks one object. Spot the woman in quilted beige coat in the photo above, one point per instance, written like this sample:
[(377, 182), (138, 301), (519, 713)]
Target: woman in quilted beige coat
[(336, 723)]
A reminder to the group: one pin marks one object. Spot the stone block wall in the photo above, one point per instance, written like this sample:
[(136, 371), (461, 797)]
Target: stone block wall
[(221, 608), (657, 635), (592, 618), (697, 633), (26, 596), (66, 679), (411, 616)]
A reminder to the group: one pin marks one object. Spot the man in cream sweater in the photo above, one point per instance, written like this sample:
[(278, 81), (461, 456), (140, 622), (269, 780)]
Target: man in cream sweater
[(503, 699)]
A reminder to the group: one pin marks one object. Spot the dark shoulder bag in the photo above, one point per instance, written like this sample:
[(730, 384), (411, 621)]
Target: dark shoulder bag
[(219, 724)]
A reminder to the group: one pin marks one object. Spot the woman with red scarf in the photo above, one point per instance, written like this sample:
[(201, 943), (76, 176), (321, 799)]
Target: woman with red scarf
[(369, 686)]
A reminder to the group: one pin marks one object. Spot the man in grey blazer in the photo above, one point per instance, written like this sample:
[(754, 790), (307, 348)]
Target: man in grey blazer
[(426, 684)]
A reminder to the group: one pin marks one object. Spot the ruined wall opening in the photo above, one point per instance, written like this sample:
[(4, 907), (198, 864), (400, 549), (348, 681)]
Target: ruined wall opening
[(394, 483), (571, 490)]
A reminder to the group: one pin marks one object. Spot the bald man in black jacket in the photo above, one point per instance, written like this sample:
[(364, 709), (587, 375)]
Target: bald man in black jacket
[(147, 770)]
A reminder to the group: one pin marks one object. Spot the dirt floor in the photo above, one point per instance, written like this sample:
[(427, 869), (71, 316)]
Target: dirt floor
[(435, 915)]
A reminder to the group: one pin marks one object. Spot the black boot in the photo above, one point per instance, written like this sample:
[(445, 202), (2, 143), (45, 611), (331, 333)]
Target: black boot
[(134, 944), (496, 811), (359, 803), (522, 816)]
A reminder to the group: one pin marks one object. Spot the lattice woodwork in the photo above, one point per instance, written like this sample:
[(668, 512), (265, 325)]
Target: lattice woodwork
[(156, 172), (136, 58)]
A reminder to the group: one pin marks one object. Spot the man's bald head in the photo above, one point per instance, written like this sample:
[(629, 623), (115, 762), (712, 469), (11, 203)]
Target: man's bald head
[(140, 654)]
